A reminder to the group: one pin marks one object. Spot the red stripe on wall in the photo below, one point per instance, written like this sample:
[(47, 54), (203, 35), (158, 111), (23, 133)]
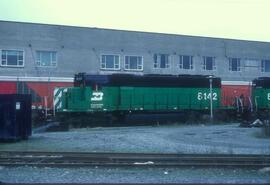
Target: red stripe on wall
[(8, 88), (45, 89)]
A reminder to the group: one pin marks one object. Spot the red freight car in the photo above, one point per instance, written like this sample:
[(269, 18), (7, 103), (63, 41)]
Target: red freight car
[(41, 89), (231, 90)]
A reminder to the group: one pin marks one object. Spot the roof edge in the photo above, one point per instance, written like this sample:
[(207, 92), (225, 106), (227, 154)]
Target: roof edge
[(133, 31)]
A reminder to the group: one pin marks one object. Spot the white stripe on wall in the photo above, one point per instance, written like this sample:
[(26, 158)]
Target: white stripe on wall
[(36, 79)]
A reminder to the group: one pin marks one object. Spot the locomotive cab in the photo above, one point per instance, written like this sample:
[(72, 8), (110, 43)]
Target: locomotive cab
[(261, 93)]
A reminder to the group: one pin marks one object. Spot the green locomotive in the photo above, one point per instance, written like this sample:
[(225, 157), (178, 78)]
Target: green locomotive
[(122, 92), (261, 93)]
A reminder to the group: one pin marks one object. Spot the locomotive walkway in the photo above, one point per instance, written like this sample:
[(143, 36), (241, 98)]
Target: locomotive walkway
[(74, 159)]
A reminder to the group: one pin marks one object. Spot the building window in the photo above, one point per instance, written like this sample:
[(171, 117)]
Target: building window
[(110, 62), (134, 63), (185, 62), (161, 61), (209, 63), (265, 65), (46, 58), (12, 58), (234, 64)]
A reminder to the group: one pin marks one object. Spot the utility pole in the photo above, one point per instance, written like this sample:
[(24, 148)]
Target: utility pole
[(211, 97)]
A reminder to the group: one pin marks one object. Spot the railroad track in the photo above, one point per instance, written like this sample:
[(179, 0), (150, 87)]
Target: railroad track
[(260, 183), (74, 159)]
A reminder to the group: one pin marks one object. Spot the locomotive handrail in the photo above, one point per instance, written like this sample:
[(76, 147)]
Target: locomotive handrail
[(256, 103), (237, 104), (250, 103), (241, 104)]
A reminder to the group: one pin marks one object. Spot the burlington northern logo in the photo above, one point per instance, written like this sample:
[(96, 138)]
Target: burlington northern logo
[(97, 96)]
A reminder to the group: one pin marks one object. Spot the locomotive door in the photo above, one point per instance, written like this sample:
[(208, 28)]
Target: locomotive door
[(126, 99)]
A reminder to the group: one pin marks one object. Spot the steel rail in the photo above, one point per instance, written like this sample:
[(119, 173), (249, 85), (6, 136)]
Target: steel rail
[(234, 183), (73, 159)]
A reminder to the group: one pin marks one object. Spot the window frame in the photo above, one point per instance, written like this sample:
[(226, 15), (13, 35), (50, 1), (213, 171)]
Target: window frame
[(50, 66), (263, 65), (157, 62), (13, 66), (110, 69), (181, 62), (128, 69), (238, 62), (214, 66)]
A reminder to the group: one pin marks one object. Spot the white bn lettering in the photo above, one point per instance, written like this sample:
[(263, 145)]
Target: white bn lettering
[(97, 96)]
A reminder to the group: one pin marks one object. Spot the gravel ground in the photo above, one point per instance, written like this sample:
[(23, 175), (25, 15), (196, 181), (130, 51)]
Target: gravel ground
[(228, 139), (134, 175)]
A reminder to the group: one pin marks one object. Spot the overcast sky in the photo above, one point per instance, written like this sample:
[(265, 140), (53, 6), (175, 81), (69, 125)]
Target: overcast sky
[(237, 19)]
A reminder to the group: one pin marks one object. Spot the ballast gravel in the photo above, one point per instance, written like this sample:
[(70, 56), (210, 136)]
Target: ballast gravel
[(132, 175), (225, 139)]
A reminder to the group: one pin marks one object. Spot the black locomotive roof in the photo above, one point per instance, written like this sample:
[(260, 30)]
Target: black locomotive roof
[(263, 82), (151, 80)]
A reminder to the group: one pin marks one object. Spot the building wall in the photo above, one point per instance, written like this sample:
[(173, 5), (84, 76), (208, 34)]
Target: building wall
[(79, 50)]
